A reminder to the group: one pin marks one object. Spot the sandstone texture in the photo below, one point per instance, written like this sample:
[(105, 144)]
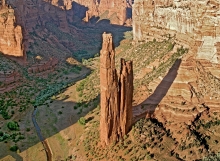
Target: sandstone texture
[(115, 10), (190, 89), (195, 23), (11, 39), (43, 66), (31, 14), (9, 78), (116, 94)]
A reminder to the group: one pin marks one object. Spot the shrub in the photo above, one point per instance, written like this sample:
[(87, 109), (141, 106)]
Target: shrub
[(14, 148), (13, 125), (75, 107), (82, 121)]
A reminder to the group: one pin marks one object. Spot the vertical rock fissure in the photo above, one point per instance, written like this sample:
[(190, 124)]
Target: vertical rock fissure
[(116, 94)]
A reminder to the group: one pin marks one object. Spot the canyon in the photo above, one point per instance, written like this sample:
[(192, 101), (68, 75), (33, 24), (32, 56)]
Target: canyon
[(199, 32), (190, 90), (22, 19), (115, 11), (194, 23), (163, 104)]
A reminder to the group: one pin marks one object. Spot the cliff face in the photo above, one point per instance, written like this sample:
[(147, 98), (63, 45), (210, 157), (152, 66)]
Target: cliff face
[(113, 10), (188, 20), (31, 14), (41, 18), (10, 33), (190, 90), (116, 94)]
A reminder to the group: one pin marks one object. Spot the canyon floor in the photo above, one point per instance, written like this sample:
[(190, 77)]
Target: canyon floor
[(172, 120)]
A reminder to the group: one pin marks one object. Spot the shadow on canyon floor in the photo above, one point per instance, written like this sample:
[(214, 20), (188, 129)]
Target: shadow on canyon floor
[(147, 107), (61, 114), (96, 25)]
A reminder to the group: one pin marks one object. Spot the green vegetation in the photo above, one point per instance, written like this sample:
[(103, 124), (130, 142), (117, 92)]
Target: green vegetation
[(82, 121), (213, 157), (14, 148), (13, 125), (15, 136), (143, 56), (149, 136)]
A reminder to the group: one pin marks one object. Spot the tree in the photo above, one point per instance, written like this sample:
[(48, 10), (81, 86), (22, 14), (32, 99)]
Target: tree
[(82, 121), (13, 125)]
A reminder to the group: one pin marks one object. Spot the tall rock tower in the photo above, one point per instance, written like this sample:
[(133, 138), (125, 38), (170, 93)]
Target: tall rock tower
[(11, 38), (116, 94), (3, 3)]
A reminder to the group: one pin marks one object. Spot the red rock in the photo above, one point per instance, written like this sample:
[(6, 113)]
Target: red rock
[(10, 33), (189, 21), (116, 8), (87, 17), (116, 94)]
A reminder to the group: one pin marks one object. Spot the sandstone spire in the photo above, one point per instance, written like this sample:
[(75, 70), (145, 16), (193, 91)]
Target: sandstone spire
[(126, 95), (116, 94), (11, 38), (3, 3), (87, 17)]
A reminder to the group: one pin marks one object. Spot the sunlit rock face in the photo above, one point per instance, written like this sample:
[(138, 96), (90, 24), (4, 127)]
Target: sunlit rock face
[(194, 25), (116, 94), (199, 20), (31, 15), (115, 10), (10, 33)]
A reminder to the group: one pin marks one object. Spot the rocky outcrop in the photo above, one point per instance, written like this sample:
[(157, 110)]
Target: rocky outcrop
[(190, 89), (7, 78), (116, 94), (115, 10), (190, 21), (45, 66), (10, 34), (31, 14), (2, 4)]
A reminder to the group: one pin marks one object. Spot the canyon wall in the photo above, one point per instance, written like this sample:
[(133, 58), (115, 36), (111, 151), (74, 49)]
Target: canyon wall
[(40, 18), (10, 33), (190, 89), (115, 10), (116, 94), (45, 66), (31, 14), (195, 23), (191, 86)]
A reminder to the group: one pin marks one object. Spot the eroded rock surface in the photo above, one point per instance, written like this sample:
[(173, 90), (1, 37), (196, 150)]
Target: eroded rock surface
[(10, 33), (190, 89), (196, 21), (116, 94), (114, 10)]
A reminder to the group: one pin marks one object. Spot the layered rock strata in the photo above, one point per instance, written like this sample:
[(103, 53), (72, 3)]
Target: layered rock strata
[(32, 14), (116, 94), (190, 90), (48, 65), (196, 24), (10, 34), (115, 10), (6, 79)]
